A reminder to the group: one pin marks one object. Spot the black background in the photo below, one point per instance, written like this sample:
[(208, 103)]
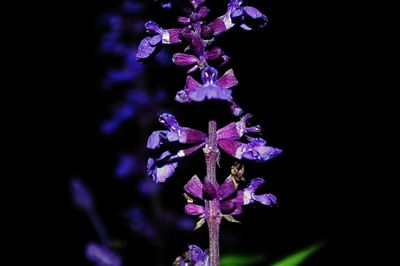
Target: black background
[(304, 91)]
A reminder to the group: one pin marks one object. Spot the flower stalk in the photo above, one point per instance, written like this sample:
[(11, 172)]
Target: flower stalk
[(212, 208)]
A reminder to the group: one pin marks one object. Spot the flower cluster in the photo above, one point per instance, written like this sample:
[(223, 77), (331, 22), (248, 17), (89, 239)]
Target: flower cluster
[(199, 36), (229, 198), (228, 139)]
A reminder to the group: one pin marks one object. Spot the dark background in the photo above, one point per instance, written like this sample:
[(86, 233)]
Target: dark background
[(303, 91)]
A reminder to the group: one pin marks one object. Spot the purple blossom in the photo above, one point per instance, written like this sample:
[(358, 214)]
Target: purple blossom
[(228, 139), (161, 168), (195, 256), (256, 149), (194, 62), (81, 195), (230, 199), (250, 197), (150, 44), (212, 87), (208, 191), (101, 255), (246, 17)]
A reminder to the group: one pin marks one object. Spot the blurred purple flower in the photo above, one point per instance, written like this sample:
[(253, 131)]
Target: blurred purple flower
[(126, 166), (81, 195), (100, 255), (139, 223), (132, 7), (147, 187)]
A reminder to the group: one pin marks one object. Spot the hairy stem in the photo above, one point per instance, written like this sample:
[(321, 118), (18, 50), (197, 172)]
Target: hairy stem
[(214, 215)]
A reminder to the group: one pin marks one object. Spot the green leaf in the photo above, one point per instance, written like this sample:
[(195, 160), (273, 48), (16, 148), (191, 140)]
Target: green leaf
[(241, 260), (299, 257)]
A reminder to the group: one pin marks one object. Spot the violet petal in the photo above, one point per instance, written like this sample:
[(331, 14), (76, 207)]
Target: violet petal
[(194, 187), (227, 80), (227, 188), (265, 199), (194, 209), (145, 49), (182, 59)]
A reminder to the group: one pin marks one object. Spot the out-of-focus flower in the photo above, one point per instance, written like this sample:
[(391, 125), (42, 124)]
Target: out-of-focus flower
[(81, 195), (126, 166), (100, 255)]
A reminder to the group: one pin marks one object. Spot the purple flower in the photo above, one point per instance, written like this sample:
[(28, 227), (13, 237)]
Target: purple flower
[(101, 255), (212, 87), (246, 17), (195, 256), (194, 62), (150, 44), (81, 195), (208, 191), (127, 166), (161, 168), (249, 194), (230, 199), (228, 139)]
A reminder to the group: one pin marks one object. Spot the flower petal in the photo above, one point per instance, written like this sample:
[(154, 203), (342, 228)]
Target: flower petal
[(209, 75), (183, 20), (218, 26), (266, 199), (194, 187), (159, 137), (254, 184), (256, 150), (182, 59), (189, 135), (194, 209), (161, 173), (171, 36), (153, 27), (210, 92), (169, 121), (227, 80), (145, 49), (213, 53), (231, 147), (227, 188), (197, 3), (191, 84)]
